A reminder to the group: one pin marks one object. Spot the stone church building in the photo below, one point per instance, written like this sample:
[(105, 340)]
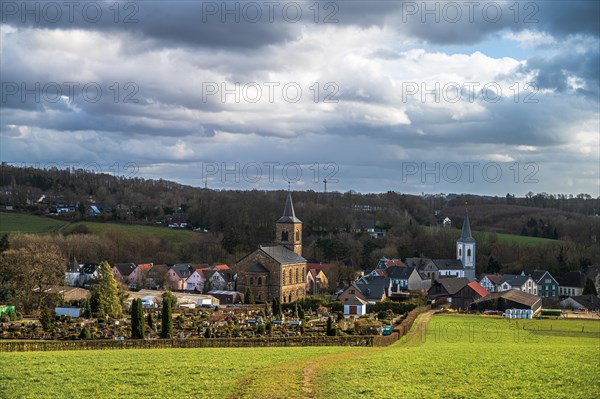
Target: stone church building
[(277, 271)]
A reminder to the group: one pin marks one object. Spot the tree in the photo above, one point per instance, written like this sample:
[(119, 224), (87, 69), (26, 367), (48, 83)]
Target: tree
[(47, 319), (38, 265), (105, 292), (140, 314), (137, 320), (589, 288), (249, 297), (330, 328), (150, 320), (4, 244), (87, 309), (167, 319), (85, 334)]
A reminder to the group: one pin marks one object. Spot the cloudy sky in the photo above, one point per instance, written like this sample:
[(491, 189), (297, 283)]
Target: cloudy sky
[(453, 97)]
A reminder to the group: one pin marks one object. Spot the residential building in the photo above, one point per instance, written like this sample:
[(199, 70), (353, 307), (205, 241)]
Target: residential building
[(490, 281), (457, 291), (546, 284), (571, 284), (178, 275), (518, 282), (581, 302)]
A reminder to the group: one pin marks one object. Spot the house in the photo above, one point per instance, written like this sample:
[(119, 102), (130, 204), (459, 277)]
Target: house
[(178, 275), (157, 277), (122, 271), (139, 275), (73, 273), (519, 282), (316, 280), (195, 282), (89, 271), (67, 294), (571, 284), (581, 302), (350, 293), (418, 282), (458, 291), (546, 284), (399, 278), (355, 307), (449, 268), (425, 265), (276, 271), (490, 281), (93, 210), (511, 299), (376, 289)]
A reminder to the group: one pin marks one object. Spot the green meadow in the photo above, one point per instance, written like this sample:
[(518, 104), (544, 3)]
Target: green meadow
[(17, 222), (456, 356)]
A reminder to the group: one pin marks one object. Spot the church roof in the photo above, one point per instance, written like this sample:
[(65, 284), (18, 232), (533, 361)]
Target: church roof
[(257, 268), (465, 235), (282, 255), (289, 215)]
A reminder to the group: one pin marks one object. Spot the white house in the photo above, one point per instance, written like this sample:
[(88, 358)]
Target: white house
[(449, 267), (490, 281), (355, 307), (195, 281), (521, 283)]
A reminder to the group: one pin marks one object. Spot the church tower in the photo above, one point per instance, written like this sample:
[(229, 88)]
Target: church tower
[(288, 229), (465, 249)]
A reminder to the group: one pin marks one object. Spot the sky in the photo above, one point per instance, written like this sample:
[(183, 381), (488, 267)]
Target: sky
[(482, 97)]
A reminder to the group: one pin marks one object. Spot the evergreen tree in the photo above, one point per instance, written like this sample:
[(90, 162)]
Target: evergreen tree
[(207, 332), (105, 293), (85, 334), (589, 288), (167, 320), (140, 314), (137, 320), (150, 320), (330, 329), (47, 319), (87, 310), (4, 244), (249, 297)]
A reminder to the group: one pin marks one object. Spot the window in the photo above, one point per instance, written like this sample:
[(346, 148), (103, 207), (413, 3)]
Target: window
[(459, 252), (260, 281), (303, 275), (284, 236), (290, 277), (352, 292), (547, 281), (469, 252), (251, 280), (297, 235), (297, 272)]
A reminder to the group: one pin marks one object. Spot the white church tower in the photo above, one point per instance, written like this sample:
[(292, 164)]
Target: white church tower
[(465, 249)]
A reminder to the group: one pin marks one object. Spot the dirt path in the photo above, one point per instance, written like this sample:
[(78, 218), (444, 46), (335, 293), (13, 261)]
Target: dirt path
[(414, 338)]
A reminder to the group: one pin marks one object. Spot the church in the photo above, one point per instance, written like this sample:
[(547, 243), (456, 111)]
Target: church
[(465, 249), (277, 271)]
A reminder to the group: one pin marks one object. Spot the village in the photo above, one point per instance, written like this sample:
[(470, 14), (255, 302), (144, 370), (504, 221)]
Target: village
[(275, 292)]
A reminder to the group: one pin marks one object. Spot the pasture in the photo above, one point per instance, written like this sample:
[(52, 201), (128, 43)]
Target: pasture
[(456, 356), (18, 222)]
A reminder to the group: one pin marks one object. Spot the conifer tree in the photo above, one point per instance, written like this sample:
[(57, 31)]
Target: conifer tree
[(249, 297), (167, 319)]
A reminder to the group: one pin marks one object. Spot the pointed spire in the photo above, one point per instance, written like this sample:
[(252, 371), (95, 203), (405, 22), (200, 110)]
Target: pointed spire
[(466, 228), (289, 216)]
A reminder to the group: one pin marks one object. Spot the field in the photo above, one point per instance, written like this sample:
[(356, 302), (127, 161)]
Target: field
[(16, 222), (502, 237), (455, 357)]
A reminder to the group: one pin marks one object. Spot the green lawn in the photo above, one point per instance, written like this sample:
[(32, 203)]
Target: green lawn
[(502, 237), (17, 222), (174, 236), (457, 356)]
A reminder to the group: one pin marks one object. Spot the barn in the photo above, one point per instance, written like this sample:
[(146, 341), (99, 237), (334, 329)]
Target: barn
[(511, 299)]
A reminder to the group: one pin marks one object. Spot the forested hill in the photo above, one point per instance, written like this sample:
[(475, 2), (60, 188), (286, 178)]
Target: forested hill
[(240, 220)]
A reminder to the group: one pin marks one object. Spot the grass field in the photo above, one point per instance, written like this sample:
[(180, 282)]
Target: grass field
[(457, 356), (174, 236), (502, 237), (16, 222)]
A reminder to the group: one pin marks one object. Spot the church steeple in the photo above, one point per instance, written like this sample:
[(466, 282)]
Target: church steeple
[(288, 228), (465, 248)]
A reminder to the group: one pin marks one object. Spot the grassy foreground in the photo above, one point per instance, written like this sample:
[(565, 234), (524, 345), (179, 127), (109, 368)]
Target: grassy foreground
[(457, 356)]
